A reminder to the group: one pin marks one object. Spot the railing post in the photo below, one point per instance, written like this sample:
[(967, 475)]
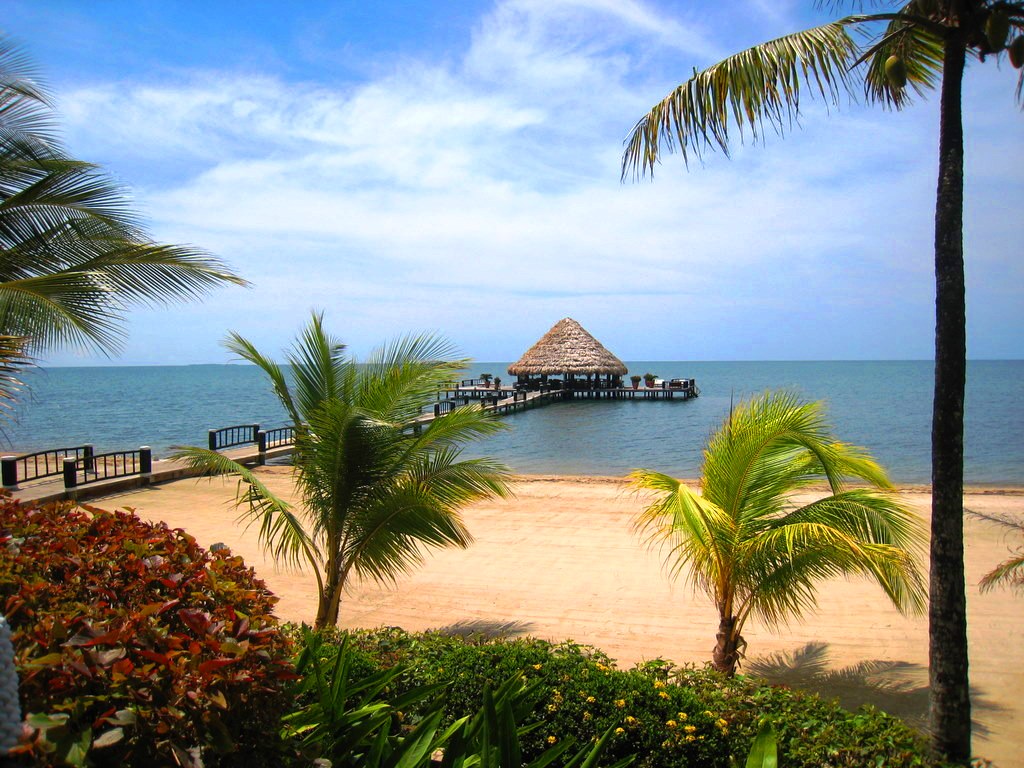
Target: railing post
[(255, 432), (145, 460), (9, 471), (88, 451), (213, 439), (261, 445), (70, 473)]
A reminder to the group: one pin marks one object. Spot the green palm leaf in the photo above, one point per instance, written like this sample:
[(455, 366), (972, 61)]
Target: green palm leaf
[(376, 494), (743, 541)]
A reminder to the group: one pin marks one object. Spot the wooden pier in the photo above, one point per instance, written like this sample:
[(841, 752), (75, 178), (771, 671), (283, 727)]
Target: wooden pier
[(79, 473)]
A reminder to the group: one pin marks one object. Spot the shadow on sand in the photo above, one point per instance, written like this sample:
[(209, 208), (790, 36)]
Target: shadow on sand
[(897, 687), (485, 629)]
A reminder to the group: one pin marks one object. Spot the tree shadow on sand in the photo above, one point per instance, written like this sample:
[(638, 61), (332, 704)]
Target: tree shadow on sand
[(485, 629), (897, 687)]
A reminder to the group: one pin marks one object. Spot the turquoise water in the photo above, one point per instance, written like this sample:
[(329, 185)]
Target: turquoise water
[(885, 406)]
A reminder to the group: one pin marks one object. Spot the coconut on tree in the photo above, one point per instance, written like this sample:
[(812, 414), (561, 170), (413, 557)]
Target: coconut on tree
[(916, 47), (755, 550)]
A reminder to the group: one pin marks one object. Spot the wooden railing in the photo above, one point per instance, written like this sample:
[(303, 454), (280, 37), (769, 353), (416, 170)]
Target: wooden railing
[(230, 437), (41, 464), (275, 438), (107, 466)]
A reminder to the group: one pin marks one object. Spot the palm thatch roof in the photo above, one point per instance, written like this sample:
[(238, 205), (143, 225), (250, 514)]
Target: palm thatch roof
[(567, 348)]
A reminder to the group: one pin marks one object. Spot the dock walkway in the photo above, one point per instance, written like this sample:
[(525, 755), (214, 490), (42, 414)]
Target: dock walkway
[(500, 401)]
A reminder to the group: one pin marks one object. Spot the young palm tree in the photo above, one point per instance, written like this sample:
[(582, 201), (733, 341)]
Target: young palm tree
[(918, 44), (73, 256), (375, 490), (755, 552)]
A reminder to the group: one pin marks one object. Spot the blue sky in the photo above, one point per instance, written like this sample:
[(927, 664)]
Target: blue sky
[(454, 167)]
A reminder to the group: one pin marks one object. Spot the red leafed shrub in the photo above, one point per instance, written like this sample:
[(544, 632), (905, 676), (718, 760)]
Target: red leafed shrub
[(135, 646)]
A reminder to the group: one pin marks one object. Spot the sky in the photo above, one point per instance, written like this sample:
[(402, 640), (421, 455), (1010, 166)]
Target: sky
[(454, 167)]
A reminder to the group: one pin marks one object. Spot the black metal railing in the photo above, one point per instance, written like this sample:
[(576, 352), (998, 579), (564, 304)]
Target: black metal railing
[(275, 438), (107, 466), (229, 437), (35, 466)]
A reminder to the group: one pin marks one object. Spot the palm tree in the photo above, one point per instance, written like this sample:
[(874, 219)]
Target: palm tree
[(73, 256), (756, 553), (376, 488), (1010, 572), (918, 44)]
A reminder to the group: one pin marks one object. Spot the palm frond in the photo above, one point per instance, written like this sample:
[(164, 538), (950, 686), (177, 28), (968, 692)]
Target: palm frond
[(918, 43), (244, 349), (763, 84), (318, 362), (13, 361), (281, 532)]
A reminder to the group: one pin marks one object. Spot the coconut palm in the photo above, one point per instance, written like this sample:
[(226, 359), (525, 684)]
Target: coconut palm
[(1010, 572), (752, 549), (376, 489), (73, 256), (915, 47)]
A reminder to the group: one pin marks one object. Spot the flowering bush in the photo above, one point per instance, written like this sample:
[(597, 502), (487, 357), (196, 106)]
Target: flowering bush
[(665, 715), (135, 645)]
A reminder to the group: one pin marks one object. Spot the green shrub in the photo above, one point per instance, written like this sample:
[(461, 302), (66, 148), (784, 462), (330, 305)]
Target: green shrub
[(135, 646), (667, 716)]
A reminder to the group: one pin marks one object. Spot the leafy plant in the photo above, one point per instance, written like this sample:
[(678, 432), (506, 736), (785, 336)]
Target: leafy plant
[(913, 46), (377, 485), (575, 692), (135, 645), (362, 721), (751, 549), (1010, 572)]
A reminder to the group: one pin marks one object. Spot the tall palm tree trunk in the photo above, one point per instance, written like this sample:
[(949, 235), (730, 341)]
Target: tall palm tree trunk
[(950, 701)]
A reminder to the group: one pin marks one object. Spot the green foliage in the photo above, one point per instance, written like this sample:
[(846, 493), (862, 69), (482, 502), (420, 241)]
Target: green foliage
[(754, 552), (651, 710), (73, 255), (136, 646), (354, 717), (377, 485)]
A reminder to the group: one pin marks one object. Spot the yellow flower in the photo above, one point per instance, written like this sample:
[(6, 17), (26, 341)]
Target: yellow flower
[(671, 723), (709, 713), (630, 720), (602, 668), (689, 728), (620, 703), (591, 699), (552, 707), (691, 737), (662, 695), (659, 684), (721, 722), (537, 666), (666, 744), (682, 715), (552, 740), (619, 731), (587, 716)]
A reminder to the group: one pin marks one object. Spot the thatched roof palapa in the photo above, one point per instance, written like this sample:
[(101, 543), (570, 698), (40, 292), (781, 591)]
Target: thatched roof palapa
[(567, 348)]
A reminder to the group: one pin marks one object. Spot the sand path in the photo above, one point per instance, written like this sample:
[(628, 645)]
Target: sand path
[(560, 561)]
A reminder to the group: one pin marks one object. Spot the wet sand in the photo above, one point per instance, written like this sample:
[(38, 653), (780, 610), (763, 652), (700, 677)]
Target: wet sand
[(560, 561)]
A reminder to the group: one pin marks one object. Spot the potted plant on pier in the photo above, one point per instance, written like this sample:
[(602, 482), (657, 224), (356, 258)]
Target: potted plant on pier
[(635, 378), (649, 380), (486, 379), (497, 382)]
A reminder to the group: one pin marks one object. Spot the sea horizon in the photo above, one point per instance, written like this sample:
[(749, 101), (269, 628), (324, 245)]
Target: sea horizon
[(883, 405)]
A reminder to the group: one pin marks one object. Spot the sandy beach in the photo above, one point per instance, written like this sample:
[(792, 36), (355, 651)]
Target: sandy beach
[(560, 561)]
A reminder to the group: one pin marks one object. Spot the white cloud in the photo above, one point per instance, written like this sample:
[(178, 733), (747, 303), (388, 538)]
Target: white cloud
[(481, 198)]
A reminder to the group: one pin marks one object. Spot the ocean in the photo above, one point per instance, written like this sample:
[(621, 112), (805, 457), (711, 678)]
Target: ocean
[(884, 406)]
